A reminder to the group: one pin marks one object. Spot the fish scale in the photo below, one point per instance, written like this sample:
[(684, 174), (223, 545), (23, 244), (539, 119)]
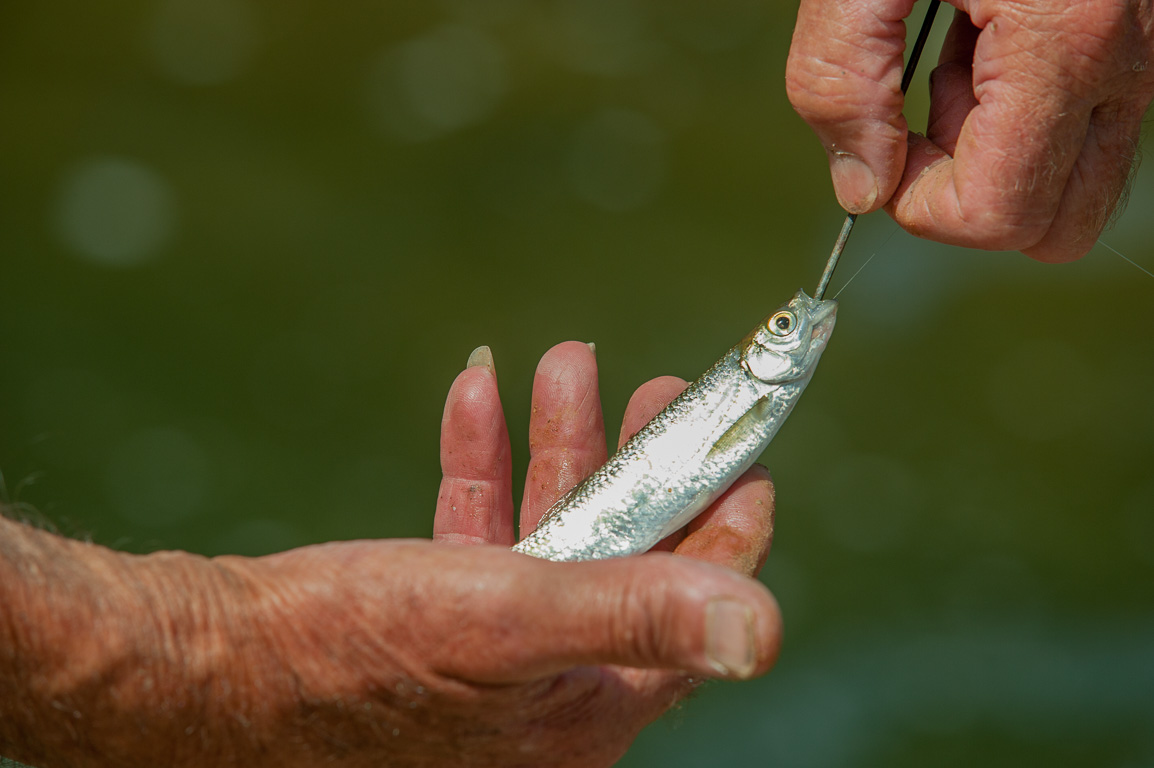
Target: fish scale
[(691, 452)]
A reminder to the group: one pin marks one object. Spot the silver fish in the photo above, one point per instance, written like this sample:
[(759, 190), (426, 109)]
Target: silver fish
[(686, 457)]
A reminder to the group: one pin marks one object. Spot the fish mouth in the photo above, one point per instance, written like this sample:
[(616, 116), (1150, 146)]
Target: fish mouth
[(819, 310), (823, 315), (826, 309)]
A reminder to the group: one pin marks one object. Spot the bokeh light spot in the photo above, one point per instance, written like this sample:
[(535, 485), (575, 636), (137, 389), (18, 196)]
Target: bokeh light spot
[(202, 42), (444, 81), (114, 212)]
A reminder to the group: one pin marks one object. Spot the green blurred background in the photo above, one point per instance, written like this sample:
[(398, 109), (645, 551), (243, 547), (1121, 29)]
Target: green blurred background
[(246, 247)]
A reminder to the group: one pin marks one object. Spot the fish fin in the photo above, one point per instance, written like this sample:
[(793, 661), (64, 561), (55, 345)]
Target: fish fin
[(750, 425)]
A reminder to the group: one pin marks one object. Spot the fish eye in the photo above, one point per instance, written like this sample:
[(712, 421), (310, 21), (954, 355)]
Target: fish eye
[(781, 324)]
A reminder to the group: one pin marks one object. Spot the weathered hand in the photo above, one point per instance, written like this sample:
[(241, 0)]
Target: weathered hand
[(655, 619), (460, 652), (398, 653), (1036, 108)]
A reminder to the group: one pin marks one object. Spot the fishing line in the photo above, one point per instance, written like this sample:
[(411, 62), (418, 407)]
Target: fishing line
[(1127, 258), (885, 242), (855, 274)]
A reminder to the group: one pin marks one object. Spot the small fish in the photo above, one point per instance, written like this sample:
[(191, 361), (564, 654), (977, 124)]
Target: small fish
[(682, 460)]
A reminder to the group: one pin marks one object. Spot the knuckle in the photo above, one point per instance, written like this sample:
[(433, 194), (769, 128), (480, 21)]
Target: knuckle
[(635, 625), (1006, 228), (1014, 206), (1095, 27), (800, 90), (824, 93), (1008, 236), (644, 626), (1088, 47)]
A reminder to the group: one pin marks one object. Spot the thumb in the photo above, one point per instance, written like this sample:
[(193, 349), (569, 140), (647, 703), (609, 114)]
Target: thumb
[(844, 78), (656, 611)]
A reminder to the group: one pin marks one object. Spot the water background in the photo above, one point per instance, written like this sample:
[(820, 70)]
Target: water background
[(246, 246)]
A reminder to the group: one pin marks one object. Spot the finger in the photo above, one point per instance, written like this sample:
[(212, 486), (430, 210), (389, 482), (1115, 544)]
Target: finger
[(653, 612), (843, 77), (737, 529), (475, 502), (1096, 189), (566, 430), (646, 403), (952, 84), (1017, 147)]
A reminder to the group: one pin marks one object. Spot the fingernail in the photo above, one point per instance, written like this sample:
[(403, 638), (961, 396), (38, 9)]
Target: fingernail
[(482, 356), (592, 348), (854, 182), (729, 637)]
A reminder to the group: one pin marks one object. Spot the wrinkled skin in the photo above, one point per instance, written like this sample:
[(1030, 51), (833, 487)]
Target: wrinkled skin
[(532, 663), (1036, 109), (400, 653)]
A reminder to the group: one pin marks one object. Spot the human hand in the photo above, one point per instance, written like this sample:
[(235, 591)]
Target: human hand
[(462, 652), (401, 653), (1035, 113), (652, 629)]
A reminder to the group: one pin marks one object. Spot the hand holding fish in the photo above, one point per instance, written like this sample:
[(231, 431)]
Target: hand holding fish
[(567, 444), (391, 652), (1036, 109)]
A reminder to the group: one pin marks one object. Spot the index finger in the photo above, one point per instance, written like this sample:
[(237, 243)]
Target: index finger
[(844, 78)]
